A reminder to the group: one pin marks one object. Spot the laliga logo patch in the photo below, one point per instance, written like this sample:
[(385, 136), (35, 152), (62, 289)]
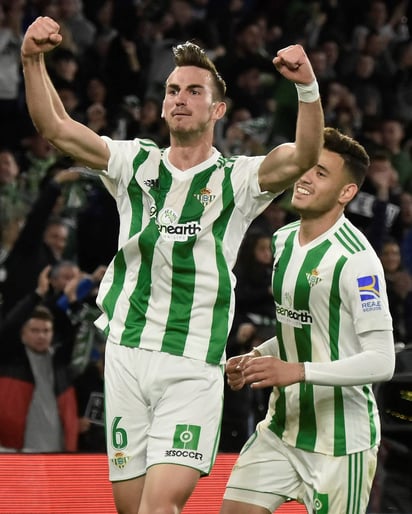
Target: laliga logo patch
[(369, 293)]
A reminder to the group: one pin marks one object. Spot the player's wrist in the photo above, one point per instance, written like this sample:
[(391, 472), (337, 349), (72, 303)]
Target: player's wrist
[(302, 372), (308, 93)]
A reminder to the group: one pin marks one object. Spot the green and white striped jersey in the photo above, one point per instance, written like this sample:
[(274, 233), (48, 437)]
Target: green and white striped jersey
[(326, 292), (170, 286)]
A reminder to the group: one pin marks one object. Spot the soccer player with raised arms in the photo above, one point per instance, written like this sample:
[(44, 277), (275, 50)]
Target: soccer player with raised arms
[(167, 297)]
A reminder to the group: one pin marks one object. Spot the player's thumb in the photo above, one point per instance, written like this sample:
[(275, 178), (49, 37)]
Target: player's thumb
[(55, 39)]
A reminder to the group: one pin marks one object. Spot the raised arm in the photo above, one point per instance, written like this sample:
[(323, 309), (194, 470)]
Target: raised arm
[(287, 162), (45, 107)]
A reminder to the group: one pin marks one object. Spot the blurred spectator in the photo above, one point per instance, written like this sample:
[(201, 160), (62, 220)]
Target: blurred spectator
[(243, 134), (405, 235), (12, 217), (143, 120), (393, 139), (252, 90), (42, 241), (319, 61), (72, 17), (375, 209), (37, 157), (186, 26), (97, 228), (126, 62), (253, 291), (38, 410), (9, 178), (247, 46), (401, 84), (380, 20), (71, 100), (64, 69), (370, 134), (11, 17), (340, 107), (363, 85), (399, 287)]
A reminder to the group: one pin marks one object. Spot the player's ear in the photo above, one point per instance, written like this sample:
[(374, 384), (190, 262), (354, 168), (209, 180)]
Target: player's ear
[(219, 110), (348, 192)]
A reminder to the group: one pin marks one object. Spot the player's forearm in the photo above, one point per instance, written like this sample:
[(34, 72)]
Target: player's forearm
[(44, 105), (375, 364), (309, 132)]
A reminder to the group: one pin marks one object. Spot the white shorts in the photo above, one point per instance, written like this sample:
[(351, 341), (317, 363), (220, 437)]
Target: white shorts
[(160, 409), (268, 471)]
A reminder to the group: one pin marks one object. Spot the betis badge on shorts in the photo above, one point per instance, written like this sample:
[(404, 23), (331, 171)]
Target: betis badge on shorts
[(186, 437)]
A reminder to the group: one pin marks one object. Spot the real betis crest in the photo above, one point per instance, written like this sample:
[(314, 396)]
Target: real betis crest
[(313, 277), (205, 196)]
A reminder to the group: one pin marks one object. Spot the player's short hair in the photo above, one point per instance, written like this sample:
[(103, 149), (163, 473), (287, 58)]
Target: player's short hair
[(190, 54), (354, 155)]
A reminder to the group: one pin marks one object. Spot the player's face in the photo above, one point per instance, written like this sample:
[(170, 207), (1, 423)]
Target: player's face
[(321, 189), (189, 106)]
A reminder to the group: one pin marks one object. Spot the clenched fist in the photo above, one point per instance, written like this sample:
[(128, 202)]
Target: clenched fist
[(293, 63), (41, 36)]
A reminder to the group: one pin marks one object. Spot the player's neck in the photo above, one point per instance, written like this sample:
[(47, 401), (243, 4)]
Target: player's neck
[(185, 156), (313, 227)]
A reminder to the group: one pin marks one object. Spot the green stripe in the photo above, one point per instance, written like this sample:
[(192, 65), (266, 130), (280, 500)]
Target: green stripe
[(119, 273), (334, 309), (344, 235), (307, 434), (148, 143), (184, 272), (334, 323), (373, 430), (135, 194), (359, 483), (343, 243), (278, 420), (355, 483), (220, 319), (290, 226), (139, 299), (355, 239)]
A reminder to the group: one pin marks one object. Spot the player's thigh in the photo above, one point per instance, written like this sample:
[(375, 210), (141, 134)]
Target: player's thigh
[(186, 421), (167, 488), (127, 495), (262, 475), (340, 484), (126, 412)]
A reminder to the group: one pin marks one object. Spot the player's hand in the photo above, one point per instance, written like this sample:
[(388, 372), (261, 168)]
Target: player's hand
[(41, 36), (234, 370), (293, 63), (270, 371)]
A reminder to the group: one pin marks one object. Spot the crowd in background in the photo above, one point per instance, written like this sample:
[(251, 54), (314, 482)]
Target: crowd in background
[(58, 225)]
